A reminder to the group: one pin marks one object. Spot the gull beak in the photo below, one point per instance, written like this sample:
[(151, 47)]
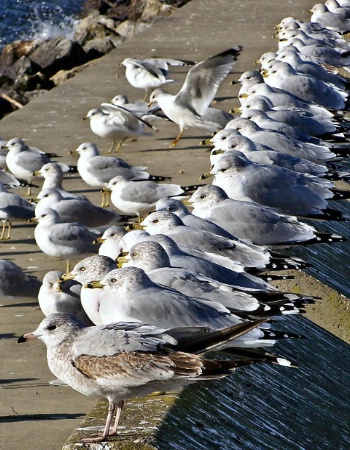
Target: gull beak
[(66, 276), (205, 175), (94, 285), (85, 118), (186, 202), (37, 173), (98, 240), (243, 96), (233, 82), (217, 152), (58, 286), (26, 337), (205, 142), (122, 260), (235, 111), (135, 226)]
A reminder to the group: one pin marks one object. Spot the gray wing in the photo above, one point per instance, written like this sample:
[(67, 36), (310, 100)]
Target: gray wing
[(149, 192), (204, 79), (32, 161), (120, 337), (73, 235)]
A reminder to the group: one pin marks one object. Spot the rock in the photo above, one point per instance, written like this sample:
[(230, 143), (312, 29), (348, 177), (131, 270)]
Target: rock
[(57, 54), (95, 26), (62, 75), (25, 66), (98, 47), (156, 8), (128, 28)]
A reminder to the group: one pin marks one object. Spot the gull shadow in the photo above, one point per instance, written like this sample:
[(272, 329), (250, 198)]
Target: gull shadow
[(31, 252), (16, 380), (7, 336), (15, 305), (37, 417)]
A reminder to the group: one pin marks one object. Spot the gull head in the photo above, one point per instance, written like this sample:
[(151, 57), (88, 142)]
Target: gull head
[(92, 268), (149, 255), (54, 329), (161, 222), (87, 149)]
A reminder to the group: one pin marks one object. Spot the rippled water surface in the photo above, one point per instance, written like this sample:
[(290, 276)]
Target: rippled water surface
[(25, 19)]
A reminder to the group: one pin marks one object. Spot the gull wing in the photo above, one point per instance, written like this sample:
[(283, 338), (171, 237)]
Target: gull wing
[(204, 79)]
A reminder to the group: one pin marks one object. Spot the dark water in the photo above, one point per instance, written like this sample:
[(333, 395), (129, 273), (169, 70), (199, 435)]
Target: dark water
[(25, 19)]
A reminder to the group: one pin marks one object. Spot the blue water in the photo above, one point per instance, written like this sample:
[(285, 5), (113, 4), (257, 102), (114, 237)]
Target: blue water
[(27, 19)]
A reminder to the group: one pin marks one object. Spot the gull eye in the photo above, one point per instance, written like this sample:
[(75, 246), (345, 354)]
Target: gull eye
[(202, 196), (155, 221), (113, 280), (82, 269), (51, 327), (134, 254)]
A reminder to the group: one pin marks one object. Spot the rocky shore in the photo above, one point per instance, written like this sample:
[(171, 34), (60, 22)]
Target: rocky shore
[(29, 68)]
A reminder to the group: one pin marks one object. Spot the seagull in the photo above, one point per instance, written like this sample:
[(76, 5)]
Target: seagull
[(84, 272), (23, 161), (150, 73), (72, 209), (122, 361), (117, 125), (188, 107), (57, 239), (284, 190), (97, 170), (137, 198), (253, 221), (165, 222), (57, 296), (328, 19), (262, 155), (281, 75), (140, 108), (13, 208), (52, 173), (110, 241), (153, 259), (14, 282)]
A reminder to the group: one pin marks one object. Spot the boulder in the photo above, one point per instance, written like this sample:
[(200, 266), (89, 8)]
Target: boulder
[(57, 54), (95, 26), (98, 47)]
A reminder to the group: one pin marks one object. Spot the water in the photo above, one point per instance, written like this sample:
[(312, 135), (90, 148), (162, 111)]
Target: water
[(27, 19)]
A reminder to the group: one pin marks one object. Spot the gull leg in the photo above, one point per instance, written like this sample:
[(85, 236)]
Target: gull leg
[(68, 266), (103, 194), (29, 191), (146, 95), (120, 144), (120, 407), (112, 147), (3, 230), (108, 195), (175, 141), (105, 433), (9, 227)]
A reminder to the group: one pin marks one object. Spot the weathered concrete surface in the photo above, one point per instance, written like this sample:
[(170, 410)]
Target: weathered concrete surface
[(34, 414)]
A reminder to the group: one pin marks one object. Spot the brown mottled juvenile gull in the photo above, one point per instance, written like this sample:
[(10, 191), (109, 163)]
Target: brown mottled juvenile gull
[(121, 361)]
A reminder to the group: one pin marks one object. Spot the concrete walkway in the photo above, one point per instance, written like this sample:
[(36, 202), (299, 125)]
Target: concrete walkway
[(34, 415)]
